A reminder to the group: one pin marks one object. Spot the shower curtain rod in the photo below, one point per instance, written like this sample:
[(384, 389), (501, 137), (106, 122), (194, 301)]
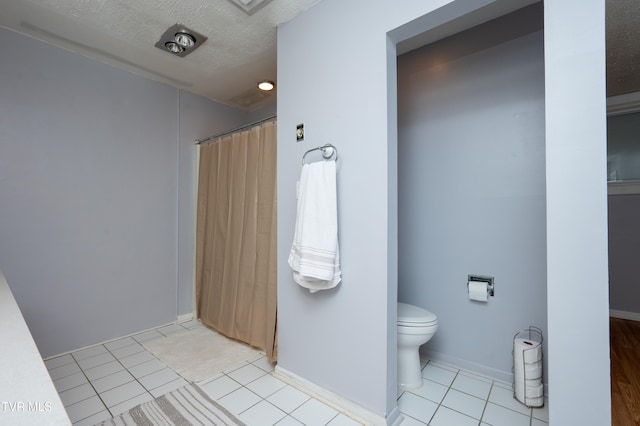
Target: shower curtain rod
[(237, 129)]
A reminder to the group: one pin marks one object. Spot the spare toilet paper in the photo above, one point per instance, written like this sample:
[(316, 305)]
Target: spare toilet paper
[(533, 370), (528, 394), (478, 290), (527, 350), (534, 402), (527, 372)]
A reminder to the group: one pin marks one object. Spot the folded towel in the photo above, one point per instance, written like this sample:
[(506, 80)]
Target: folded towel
[(314, 255)]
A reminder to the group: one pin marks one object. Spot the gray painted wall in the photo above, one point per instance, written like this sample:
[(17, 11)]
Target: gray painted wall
[(624, 246), (96, 183), (471, 187), (344, 92)]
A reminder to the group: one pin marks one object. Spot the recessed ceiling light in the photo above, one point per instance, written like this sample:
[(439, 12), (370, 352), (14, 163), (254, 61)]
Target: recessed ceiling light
[(173, 47), (180, 40), (266, 86), (185, 40)]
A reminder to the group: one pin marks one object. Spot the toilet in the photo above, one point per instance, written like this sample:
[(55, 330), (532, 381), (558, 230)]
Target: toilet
[(415, 327)]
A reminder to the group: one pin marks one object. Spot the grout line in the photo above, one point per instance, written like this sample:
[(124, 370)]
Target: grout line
[(443, 397), (92, 387), (486, 403), (136, 379), (486, 400), (109, 409), (125, 368)]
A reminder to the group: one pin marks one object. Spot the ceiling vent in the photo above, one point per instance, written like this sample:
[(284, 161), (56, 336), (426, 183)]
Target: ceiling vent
[(180, 40), (250, 6)]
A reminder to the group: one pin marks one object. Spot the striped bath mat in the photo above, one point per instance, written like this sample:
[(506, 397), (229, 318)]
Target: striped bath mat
[(185, 406)]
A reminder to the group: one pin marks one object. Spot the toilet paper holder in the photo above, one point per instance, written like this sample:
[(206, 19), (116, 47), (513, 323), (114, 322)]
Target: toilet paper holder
[(483, 279)]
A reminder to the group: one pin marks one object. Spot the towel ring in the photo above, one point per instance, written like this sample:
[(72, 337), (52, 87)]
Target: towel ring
[(327, 151)]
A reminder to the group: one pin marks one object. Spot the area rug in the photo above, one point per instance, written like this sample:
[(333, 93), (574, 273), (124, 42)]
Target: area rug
[(185, 406), (200, 353)]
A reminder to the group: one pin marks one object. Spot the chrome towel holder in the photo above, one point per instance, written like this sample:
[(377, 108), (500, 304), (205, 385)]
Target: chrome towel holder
[(327, 151)]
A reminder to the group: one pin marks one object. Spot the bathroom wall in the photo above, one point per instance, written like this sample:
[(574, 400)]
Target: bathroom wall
[(96, 183), (344, 91), (471, 187)]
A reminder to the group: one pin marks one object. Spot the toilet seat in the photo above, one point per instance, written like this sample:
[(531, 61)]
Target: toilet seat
[(414, 316)]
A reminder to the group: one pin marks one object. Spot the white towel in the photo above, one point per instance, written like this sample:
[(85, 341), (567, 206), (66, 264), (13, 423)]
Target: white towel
[(314, 256)]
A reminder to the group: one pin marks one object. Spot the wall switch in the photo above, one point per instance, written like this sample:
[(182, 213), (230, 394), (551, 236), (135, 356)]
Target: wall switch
[(299, 132)]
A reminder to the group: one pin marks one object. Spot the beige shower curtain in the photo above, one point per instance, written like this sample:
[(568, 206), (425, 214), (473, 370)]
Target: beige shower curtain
[(236, 236)]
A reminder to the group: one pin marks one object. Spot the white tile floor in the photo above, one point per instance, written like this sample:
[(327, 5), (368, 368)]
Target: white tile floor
[(453, 397), (105, 380)]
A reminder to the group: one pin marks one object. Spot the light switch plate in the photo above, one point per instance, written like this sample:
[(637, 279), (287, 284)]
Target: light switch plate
[(299, 132)]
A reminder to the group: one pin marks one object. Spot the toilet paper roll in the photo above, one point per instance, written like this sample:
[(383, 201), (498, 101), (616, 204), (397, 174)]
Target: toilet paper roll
[(520, 389), (478, 290), (534, 402), (531, 387), (526, 351), (532, 383), (534, 391), (527, 371), (526, 391), (533, 370)]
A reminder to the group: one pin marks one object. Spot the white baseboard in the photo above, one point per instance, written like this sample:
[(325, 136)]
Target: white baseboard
[(108, 341), (338, 403), (395, 417), (179, 319), (458, 363), (634, 316), (184, 317)]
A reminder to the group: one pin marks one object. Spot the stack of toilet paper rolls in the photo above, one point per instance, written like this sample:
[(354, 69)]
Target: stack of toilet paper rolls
[(527, 368)]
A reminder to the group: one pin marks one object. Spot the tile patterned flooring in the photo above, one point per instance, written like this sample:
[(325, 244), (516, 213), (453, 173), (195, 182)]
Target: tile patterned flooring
[(105, 380), (454, 397)]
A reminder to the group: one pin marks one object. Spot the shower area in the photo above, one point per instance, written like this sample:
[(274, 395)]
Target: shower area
[(236, 235)]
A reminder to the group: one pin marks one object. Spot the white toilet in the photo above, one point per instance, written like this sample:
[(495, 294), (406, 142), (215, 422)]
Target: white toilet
[(415, 327)]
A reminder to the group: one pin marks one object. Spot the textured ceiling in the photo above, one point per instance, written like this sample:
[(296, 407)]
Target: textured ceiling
[(241, 48), (239, 52), (623, 46)]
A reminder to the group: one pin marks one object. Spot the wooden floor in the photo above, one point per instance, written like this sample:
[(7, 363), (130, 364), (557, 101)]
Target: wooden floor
[(625, 372)]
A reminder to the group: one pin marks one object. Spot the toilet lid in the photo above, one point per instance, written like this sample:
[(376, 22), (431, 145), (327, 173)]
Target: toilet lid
[(409, 314)]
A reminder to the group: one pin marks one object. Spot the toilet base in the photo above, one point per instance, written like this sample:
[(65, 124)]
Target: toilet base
[(409, 371)]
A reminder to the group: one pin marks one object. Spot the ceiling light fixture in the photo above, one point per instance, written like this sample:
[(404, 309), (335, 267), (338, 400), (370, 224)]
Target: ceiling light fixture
[(173, 47), (180, 40), (266, 86), (185, 40)]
